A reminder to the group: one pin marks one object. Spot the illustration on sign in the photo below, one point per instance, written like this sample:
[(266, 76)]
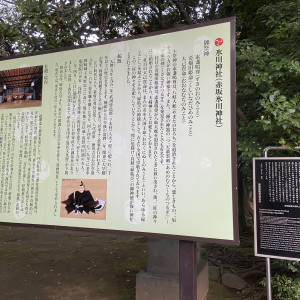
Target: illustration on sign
[(78, 200)]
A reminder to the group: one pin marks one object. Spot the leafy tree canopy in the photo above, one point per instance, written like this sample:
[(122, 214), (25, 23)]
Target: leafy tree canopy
[(33, 25), (268, 80)]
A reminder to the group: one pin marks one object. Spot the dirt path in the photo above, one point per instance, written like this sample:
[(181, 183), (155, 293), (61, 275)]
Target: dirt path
[(51, 264), (55, 264)]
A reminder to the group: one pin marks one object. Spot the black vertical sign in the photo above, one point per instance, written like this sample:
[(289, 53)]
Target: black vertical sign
[(277, 207)]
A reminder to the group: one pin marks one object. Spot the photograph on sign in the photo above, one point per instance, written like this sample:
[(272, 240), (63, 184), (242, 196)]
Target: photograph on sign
[(142, 128), (277, 207), (21, 87)]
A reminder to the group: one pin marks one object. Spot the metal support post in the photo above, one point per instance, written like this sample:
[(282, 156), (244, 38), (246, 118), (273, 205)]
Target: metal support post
[(268, 274)]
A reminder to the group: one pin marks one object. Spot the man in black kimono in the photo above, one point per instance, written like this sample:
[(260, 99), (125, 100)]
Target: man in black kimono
[(80, 201)]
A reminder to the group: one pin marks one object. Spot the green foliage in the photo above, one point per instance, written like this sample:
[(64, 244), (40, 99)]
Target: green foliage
[(283, 117), (293, 266), (268, 78), (286, 283), (38, 25), (284, 287)]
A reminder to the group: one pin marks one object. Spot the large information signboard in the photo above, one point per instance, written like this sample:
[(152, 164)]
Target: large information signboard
[(277, 207), (136, 135)]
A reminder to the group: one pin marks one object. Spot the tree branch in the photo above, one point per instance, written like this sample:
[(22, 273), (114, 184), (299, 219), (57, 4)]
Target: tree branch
[(183, 11), (9, 2), (161, 17), (295, 129), (134, 18), (242, 116)]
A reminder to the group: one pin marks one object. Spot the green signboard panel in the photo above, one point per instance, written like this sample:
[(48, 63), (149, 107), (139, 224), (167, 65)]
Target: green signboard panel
[(134, 135)]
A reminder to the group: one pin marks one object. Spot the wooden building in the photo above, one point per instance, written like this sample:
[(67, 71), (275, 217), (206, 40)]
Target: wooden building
[(21, 84)]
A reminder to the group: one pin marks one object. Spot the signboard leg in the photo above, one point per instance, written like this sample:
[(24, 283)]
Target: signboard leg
[(269, 286), (187, 270)]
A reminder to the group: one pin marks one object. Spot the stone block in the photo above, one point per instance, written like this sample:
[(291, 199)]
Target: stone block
[(163, 257), (233, 281), (151, 286), (214, 273)]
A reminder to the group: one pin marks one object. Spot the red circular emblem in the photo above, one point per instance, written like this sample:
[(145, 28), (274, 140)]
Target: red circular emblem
[(219, 42)]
